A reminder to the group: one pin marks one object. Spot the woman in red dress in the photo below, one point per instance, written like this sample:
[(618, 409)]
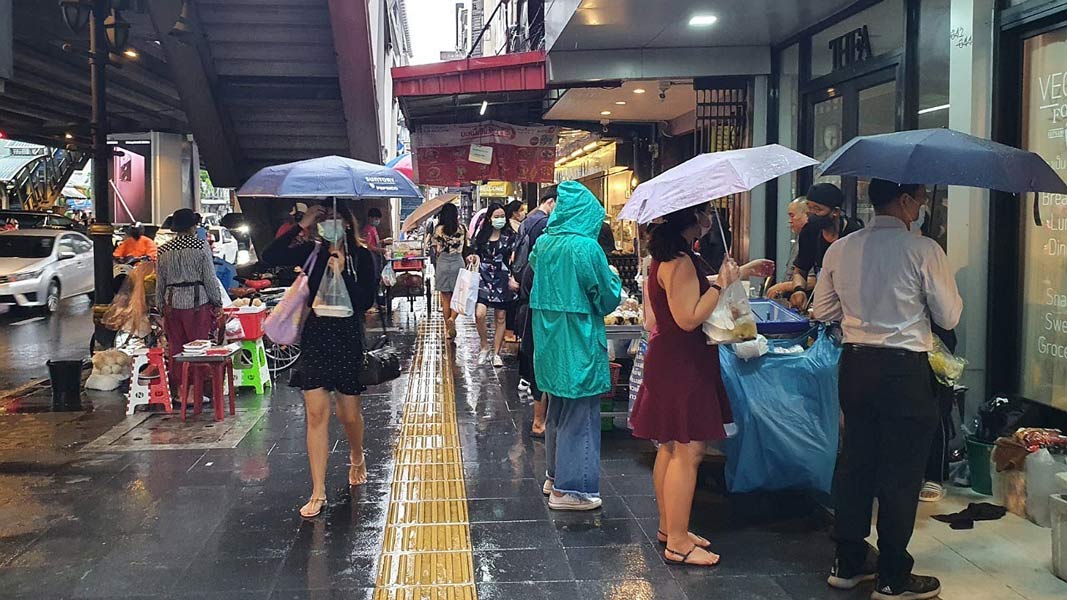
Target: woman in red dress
[(682, 402)]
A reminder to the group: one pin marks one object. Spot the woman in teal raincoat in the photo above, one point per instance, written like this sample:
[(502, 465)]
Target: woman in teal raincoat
[(573, 289)]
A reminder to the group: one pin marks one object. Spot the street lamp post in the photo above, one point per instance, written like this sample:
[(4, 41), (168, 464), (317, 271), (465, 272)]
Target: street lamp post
[(107, 31)]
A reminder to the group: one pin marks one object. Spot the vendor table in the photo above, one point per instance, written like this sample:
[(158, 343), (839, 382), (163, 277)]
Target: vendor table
[(220, 367)]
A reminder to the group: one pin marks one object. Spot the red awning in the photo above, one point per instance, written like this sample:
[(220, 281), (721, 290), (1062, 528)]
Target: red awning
[(520, 72)]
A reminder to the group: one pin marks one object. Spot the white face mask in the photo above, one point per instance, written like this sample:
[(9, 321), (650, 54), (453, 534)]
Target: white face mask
[(332, 230), (916, 226), (498, 223)]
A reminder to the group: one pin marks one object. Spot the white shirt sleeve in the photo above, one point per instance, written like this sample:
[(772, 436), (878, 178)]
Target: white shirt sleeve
[(939, 288), (827, 303)]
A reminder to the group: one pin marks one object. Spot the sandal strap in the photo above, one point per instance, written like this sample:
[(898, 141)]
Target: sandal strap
[(684, 556)]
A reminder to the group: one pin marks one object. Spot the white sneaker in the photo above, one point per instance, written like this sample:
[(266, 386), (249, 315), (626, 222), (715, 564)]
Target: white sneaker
[(497, 361), (572, 502), (524, 386), (483, 356), (546, 489)]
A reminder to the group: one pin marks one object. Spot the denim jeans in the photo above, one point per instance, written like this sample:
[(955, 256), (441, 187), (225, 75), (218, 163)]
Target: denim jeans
[(572, 445)]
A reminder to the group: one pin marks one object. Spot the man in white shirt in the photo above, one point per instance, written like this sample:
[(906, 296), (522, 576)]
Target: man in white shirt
[(885, 284)]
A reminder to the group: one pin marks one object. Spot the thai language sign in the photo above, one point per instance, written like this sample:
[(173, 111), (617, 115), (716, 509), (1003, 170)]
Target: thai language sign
[(443, 153)]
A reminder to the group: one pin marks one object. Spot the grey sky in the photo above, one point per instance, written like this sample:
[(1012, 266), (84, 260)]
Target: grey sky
[(432, 24)]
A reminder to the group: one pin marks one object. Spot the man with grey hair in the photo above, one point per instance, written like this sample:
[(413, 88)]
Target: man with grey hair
[(797, 216)]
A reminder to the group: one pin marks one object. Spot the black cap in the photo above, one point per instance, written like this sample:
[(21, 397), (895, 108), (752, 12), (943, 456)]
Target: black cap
[(183, 219), (826, 194)]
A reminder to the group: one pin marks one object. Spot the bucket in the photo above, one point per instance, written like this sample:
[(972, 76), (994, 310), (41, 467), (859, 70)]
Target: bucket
[(978, 458), (66, 377)]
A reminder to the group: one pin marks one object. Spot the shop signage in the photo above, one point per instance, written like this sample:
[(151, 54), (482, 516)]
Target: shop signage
[(852, 48), (446, 154), (483, 155), (495, 189)]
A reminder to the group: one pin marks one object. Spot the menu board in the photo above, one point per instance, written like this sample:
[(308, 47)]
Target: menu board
[(1043, 331)]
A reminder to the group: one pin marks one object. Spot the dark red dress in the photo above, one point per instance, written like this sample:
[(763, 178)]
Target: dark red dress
[(682, 397)]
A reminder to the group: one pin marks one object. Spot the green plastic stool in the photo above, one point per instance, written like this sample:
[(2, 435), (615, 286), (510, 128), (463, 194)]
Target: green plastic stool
[(250, 368)]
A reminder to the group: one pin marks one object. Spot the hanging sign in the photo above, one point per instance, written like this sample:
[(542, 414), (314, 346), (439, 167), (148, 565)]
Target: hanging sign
[(852, 48), (445, 154), (483, 155)]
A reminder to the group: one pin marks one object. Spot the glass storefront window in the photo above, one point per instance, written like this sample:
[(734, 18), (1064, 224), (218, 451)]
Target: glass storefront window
[(935, 40), (788, 122), (1043, 331), (885, 25), (878, 109), (828, 127)]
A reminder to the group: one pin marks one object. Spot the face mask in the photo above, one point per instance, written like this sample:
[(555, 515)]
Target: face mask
[(705, 224), (332, 230), (375, 222), (916, 226), (821, 221), (499, 222)]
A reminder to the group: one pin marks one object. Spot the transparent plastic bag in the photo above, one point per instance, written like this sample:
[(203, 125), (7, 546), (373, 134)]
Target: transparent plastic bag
[(732, 320), (332, 298), (947, 367)]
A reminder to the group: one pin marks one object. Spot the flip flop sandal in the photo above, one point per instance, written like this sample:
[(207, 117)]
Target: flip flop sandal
[(322, 505), (685, 559), (700, 541), (361, 463), (931, 492)]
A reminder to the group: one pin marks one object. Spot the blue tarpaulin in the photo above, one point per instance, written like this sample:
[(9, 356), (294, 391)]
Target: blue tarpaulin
[(787, 413)]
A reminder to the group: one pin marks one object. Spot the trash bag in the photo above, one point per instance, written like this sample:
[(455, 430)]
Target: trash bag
[(732, 320), (332, 298), (1001, 416), (786, 410)]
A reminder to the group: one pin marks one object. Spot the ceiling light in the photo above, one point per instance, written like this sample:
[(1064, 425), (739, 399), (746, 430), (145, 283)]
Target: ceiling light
[(69, 136), (131, 53), (702, 20), (639, 90), (620, 103), (485, 105), (605, 113), (926, 111)]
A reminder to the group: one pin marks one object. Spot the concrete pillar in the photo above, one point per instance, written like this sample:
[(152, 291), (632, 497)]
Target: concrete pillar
[(970, 98), (171, 180), (757, 221)]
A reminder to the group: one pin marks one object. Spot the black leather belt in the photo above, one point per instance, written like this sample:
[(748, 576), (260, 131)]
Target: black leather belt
[(879, 350)]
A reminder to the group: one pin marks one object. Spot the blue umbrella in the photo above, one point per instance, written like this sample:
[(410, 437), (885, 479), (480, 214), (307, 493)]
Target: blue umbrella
[(944, 157), (329, 176)]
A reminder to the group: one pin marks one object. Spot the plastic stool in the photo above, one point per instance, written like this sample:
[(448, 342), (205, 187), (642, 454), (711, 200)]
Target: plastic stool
[(155, 392), (252, 370), (221, 375)]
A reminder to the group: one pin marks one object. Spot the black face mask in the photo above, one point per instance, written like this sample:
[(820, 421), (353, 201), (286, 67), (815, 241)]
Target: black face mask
[(821, 222)]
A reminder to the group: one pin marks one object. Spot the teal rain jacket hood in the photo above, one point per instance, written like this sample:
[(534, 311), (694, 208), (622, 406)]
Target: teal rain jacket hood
[(573, 290)]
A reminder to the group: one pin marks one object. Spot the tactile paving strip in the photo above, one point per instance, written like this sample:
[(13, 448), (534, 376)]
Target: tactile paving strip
[(426, 554)]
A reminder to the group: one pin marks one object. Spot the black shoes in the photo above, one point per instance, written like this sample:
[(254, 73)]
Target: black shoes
[(916, 587), (843, 579)]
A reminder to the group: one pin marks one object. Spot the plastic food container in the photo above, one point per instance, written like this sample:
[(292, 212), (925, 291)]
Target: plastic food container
[(774, 319)]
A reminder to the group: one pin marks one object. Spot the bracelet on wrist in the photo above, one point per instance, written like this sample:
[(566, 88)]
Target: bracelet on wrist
[(716, 287)]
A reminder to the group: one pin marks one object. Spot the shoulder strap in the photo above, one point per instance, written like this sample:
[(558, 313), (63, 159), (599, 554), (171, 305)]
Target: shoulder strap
[(312, 258)]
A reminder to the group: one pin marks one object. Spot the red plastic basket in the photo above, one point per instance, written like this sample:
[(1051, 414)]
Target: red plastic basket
[(251, 322)]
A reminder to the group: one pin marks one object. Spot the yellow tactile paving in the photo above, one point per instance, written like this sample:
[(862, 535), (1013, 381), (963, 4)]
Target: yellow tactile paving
[(426, 552)]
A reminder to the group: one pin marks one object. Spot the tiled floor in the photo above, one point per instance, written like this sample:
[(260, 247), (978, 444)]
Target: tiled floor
[(222, 523)]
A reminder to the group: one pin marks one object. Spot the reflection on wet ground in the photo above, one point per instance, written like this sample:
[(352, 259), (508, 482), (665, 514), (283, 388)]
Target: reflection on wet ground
[(29, 339), (223, 522)]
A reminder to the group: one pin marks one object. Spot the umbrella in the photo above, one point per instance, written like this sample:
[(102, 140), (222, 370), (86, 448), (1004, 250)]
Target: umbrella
[(329, 176), (426, 209), (944, 157), (710, 176), (402, 164)]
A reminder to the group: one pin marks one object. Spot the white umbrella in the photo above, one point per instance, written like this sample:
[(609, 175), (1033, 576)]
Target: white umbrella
[(710, 176)]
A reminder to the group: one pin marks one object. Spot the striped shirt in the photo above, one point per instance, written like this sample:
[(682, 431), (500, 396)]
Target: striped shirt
[(185, 274)]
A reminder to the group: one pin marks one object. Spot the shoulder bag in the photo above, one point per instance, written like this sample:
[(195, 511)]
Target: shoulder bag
[(285, 322)]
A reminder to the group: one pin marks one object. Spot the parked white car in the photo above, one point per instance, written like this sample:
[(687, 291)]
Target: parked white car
[(225, 244), (40, 267)]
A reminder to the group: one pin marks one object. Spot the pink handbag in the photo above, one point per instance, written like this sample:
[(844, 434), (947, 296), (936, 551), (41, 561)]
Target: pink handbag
[(286, 321)]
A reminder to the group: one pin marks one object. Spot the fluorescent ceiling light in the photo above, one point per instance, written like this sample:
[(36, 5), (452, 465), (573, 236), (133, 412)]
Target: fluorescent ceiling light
[(621, 103), (702, 20), (69, 136), (485, 105), (927, 111), (639, 90), (605, 113)]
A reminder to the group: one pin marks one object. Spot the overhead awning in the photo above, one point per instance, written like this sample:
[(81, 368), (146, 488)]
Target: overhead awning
[(512, 86)]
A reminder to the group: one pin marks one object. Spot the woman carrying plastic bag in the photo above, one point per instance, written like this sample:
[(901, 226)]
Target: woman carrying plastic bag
[(341, 286)]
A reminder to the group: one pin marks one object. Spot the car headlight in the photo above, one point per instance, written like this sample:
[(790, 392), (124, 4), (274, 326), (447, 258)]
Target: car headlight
[(243, 229), (244, 257), (25, 276)]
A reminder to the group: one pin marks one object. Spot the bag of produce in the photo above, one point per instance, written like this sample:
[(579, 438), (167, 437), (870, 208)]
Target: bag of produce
[(732, 320), (947, 367), (332, 299)]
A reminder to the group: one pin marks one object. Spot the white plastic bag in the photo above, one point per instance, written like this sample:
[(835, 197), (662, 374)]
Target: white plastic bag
[(732, 320), (332, 298), (388, 275), (1041, 470), (752, 348), (465, 294)]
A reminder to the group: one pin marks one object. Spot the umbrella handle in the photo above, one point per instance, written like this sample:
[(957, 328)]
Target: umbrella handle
[(722, 232)]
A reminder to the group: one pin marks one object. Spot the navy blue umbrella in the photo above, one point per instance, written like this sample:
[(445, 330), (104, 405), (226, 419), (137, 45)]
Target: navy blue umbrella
[(944, 157), (329, 176)]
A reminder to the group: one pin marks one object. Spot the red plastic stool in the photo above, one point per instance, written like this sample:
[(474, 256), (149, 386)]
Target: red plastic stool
[(155, 392), (219, 369)]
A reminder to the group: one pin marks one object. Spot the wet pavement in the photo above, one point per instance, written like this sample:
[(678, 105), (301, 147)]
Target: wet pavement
[(30, 338)]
